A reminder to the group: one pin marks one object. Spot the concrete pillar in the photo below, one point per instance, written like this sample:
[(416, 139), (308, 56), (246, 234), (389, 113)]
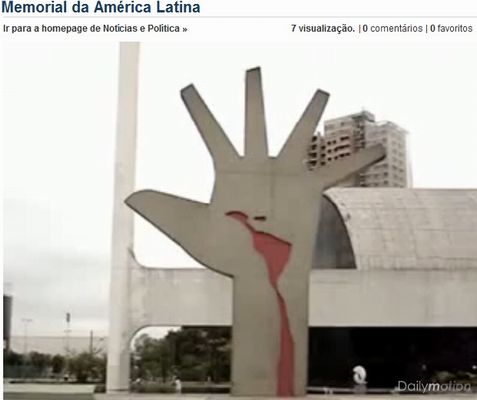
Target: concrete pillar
[(123, 234)]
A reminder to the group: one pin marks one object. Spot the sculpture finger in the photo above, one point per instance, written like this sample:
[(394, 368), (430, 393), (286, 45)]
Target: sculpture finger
[(255, 127), (217, 142), (344, 168), (170, 214), (295, 149), (192, 225)]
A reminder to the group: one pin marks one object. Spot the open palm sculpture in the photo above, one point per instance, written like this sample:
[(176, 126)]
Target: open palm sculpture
[(258, 229)]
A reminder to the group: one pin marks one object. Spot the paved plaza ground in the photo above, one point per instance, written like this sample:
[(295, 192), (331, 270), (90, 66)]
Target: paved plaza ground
[(310, 397), (63, 394), (62, 388), (31, 391), (48, 396)]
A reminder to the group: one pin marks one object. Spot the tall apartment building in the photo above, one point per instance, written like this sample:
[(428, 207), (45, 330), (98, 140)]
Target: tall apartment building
[(346, 135)]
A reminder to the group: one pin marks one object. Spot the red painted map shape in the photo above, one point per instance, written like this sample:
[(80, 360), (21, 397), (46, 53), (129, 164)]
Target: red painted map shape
[(276, 253)]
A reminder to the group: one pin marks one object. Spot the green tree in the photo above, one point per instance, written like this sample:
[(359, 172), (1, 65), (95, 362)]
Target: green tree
[(87, 366), (39, 360), (12, 358), (219, 349), (152, 358), (194, 354), (57, 363)]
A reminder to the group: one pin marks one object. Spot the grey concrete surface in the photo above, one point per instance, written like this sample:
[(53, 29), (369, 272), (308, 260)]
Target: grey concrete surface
[(46, 388), (260, 229), (337, 298), (123, 232)]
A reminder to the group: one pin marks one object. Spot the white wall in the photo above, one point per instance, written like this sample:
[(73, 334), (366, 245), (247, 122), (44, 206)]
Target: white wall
[(337, 298)]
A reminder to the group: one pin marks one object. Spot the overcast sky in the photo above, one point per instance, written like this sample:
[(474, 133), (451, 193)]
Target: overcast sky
[(59, 129)]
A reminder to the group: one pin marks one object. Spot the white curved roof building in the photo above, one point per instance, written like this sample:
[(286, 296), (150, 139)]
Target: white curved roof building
[(393, 228)]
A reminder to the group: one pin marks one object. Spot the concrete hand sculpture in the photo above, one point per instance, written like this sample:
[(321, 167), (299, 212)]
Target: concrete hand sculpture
[(259, 229)]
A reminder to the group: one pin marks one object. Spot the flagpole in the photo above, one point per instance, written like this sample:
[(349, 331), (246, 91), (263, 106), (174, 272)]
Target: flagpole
[(67, 333)]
